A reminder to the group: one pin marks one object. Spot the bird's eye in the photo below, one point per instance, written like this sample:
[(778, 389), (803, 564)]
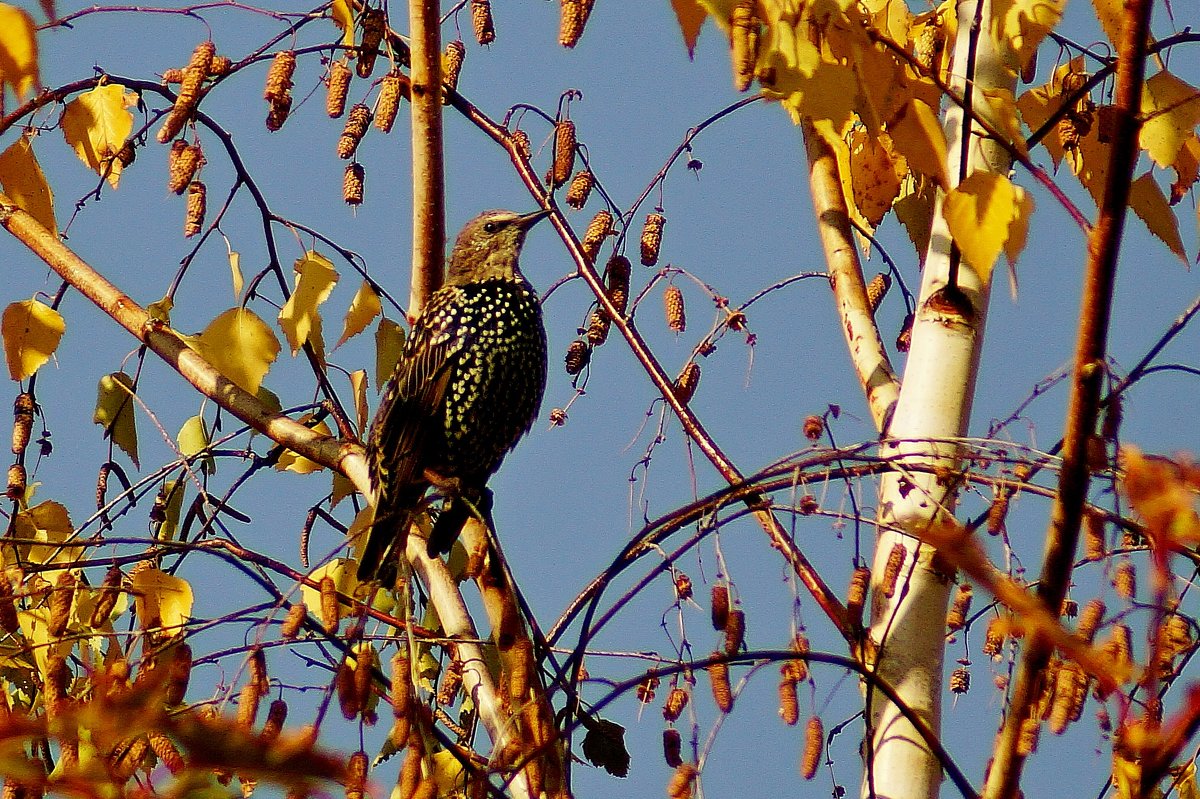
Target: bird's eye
[(490, 227)]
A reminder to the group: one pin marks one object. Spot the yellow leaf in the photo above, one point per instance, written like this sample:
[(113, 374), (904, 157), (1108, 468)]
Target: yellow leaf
[(343, 17), (1089, 162), (917, 134), (342, 488), (1171, 109), (300, 319), (193, 439), (1018, 230), (358, 384), (114, 412), (1112, 18), (1023, 25), (241, 346), (363, 308), (32, 331), (291, 462), (161, 311), (235, 269), (691, 18), (357, 532), (999, 109), (914, 209), (825, 96), (26, 185), (448, 772), (1147, 201), (173, 490), (1186, 782), (389, 344), (161, 599), (47, 522), (981, 213), (18, 51), (873, 177), (96, 125), (35, 626), (1187, 168)]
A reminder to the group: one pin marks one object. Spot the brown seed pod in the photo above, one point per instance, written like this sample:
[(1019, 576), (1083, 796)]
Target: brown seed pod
[(520, 140), (248, 706), (1120, 644), (814, 740), (956, 617), (718, 674), (356, 775), (330, 610), (394, 87), (652, 232), (173, 75), (673, 307), (278, 113), (8, 609), (22, 422), (481, 21), (997, 513), (126, 155), (221, 64), (451, 682), (290, 627), (1125, 580), (352, 183), (856, 597), (17, 482), (877, 289), (349, 701), (677, 700), (410, 775), (719, 600), (684, 779), (279, 76), (891, 572), (616, 275), (904, 340), (597, 231), (197, 203), (276, 716), (683, 587), (339, 89), (564, 155), (182, 162), (578, 355), (1027, 738), (452, 63), (127, 757), (374, 26), (1089, 620), (960, 680), (356, 126), (1070, 692), (580, 188), (189, 91), (574, 16), (647, 687), (401, 686), (743, 33), (521, 661), (179, 673), (687, 382), (61, 599), (798, 668), (814, 427), (258, 670), (789, 701), (672, 748), (808, 505), (993, 638), (165, 750), (735, 631), (109, 592), (1069, 133), (597, 329)]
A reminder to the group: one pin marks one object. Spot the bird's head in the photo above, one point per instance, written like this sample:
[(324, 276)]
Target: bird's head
[(488, 246)]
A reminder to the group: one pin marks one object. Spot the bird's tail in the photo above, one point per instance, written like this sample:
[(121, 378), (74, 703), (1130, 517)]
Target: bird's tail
[(386, 541)]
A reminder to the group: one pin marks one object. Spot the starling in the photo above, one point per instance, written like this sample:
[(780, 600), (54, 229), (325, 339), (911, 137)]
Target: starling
[(466, 388)]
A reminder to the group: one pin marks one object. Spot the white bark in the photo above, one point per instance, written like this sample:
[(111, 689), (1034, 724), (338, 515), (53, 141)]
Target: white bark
[(908, 629)]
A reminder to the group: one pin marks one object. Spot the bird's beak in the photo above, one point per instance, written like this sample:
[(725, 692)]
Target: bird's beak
[(529, 220)]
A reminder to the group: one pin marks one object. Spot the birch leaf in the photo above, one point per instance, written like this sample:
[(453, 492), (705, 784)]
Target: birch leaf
[(1171, 109), (241, 346), (47, 522), (983, 213), (358, 384), (96, 125), (25, 183), (291, 462), (161, 599), (32, 331), (918, 136), (691, 17), (363, 308), (193, 439), (114, 412), (300, 317), (389, 344), (1148, 202), (18, 51)]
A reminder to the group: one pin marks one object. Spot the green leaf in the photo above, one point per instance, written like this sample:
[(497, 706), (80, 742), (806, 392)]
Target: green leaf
[(114, 412), (193, 439)]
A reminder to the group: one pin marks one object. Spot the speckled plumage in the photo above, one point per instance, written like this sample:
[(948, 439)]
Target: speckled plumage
[(466, 388)]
